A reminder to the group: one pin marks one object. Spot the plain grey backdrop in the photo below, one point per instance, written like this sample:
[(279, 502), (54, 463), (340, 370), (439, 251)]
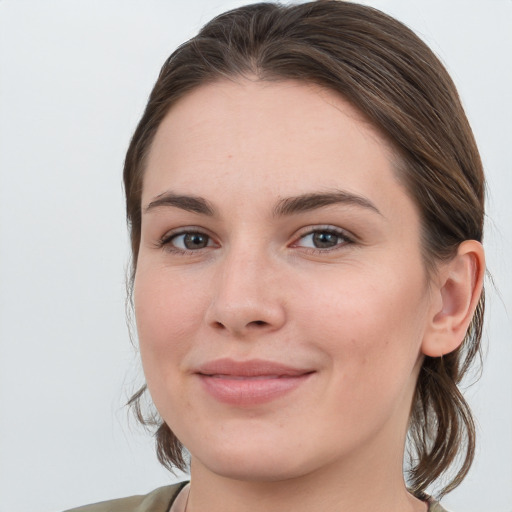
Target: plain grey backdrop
[(74, 78)]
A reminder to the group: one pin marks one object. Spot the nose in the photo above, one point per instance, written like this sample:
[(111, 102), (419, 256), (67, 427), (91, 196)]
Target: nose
[(247, 297)]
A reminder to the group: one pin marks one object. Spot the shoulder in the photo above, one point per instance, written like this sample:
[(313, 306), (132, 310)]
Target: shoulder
[(159, 500), (435, 506)]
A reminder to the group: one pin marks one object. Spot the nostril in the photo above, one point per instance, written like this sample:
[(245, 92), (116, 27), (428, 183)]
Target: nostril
[(258, 322)]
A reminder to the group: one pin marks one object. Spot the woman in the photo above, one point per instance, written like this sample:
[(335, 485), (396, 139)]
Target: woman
[(305, 200)]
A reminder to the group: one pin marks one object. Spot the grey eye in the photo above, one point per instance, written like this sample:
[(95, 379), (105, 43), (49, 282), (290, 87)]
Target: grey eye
[(191, 241), (325, 239), (322, 239)]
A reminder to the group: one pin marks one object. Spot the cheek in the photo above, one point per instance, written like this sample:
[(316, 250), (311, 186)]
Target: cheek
[(167, 312), (368, 320), (374, 339)]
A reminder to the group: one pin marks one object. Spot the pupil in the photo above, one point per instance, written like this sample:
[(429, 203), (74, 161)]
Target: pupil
[(195, 241), (325, 239)]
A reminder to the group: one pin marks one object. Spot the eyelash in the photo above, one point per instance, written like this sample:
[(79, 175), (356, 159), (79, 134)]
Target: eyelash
[(166, 241)]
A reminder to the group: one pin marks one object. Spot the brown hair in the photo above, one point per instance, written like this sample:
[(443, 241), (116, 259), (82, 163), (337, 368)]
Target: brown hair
[(394, 79)]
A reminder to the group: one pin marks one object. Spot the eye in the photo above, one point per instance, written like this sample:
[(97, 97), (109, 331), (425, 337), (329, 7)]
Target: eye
[(323, 239), (187, 241)]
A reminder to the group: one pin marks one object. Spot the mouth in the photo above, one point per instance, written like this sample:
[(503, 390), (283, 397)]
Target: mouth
[(248, 383)]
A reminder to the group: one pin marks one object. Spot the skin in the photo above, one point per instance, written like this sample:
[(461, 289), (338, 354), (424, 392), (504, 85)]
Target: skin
[(356, 313)]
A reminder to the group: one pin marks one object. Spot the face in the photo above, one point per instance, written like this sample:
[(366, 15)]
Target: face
[(280, 294)]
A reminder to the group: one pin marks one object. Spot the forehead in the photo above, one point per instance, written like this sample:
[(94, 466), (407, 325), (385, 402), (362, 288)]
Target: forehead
[(285, 137)]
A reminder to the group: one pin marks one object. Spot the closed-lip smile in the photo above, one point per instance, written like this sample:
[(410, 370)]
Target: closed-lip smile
[(250, 382)]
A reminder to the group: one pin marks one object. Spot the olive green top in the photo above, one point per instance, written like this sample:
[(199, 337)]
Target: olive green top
[(161, 499)]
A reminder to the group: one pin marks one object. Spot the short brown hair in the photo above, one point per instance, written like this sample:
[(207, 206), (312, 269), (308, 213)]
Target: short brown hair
[(384, 70)]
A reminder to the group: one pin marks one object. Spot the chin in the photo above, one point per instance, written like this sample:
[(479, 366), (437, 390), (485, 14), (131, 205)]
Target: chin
[(253, 470), (256, 462)]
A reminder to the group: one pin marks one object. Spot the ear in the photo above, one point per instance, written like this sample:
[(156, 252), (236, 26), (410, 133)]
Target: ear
[(455, 293)]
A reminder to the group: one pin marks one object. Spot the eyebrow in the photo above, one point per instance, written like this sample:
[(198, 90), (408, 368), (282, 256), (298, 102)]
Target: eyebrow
[(284, 207), (312, 201), (193, 204)]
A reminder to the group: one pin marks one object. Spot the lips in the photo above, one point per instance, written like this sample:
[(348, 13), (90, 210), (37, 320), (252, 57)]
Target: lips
[(247, 383)]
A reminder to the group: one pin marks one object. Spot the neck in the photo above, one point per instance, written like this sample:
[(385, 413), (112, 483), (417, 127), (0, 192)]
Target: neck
[(367, 485)]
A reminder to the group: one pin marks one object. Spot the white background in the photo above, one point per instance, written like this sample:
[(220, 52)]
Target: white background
[(74, 78)]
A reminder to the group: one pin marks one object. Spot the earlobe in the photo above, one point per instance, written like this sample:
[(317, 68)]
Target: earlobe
[(458, 290)]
